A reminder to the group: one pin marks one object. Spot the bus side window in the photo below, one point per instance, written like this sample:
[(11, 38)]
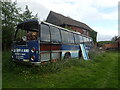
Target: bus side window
[(77, 39), (55, 34), (71, 38), (81, 40), (84, 39), (45, 33), (91, 42), (65, 36)]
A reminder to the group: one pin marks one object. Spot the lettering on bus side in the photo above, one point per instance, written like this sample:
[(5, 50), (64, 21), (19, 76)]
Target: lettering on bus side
[(21, 50)]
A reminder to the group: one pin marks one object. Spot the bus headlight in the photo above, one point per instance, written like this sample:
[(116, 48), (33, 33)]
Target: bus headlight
[(32, 58), (33, 50)]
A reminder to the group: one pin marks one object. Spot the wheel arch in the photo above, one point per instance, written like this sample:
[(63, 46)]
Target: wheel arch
[(66, 54)]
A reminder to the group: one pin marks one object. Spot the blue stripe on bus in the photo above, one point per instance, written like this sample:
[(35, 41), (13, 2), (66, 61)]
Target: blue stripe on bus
[(70, 47)]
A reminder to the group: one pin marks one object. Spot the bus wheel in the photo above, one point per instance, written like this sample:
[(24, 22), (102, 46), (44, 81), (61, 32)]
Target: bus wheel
[(67, 55)]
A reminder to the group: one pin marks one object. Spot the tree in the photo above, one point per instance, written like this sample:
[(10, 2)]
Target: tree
[(9, 21), (114, 38), (27, 14), (93, 34), (10, 17)]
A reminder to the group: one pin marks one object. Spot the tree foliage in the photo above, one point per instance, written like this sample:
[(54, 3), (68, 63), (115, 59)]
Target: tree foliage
[(9, 20), (10, 17), (27, 14), (93, 34), (114, 38)]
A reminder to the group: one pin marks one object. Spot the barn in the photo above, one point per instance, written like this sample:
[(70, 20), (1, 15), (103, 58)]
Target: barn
[(69, 23)]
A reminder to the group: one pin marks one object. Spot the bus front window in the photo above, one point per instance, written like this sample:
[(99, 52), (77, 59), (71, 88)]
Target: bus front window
[(20, 35), (24, 35), (27, 30), (32, 35)]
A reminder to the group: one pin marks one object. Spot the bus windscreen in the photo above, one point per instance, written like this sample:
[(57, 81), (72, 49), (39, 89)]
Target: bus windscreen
[(27, 31)]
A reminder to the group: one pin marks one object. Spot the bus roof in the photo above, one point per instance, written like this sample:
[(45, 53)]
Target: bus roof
[(31, 24), (65, 29), (31, 21)]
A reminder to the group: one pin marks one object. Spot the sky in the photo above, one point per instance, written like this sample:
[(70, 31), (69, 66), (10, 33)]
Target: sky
[(100, 15)]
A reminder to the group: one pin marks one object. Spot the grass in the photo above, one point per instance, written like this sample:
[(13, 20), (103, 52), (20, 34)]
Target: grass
[(106, 42), (100, 72)]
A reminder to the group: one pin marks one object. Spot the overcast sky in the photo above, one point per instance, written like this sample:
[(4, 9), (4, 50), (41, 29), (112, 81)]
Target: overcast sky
[(100, 15)]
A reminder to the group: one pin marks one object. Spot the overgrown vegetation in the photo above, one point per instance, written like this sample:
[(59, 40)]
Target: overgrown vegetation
[(99, 72), (69, 28), (93, 34)]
